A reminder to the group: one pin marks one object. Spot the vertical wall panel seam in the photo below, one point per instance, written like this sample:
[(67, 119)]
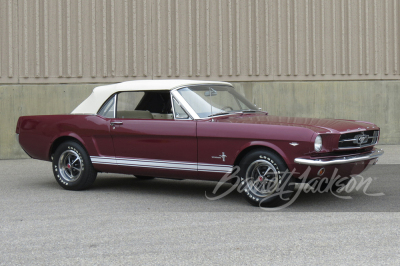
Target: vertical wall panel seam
[(145, 40), (159, 38), (343, 50), (60, 39), (94, 70), (295, 40), (126, 35), (26, 59), (1, 50), (237, 38), (105, 70), (314, 41), (250, 40), (37, 39), (169, 37), (177, 36), (386, 38), (135, 37), (190, 35), (376, 37), (257, 39), (323, 36), (367, 51), (112, 11), (69, 66), (334, 72), (307, 40), (288, 38), (230, 73), (349, 36), (279, 39), (80, 45), (360, 36), (208, 63), (395, 37), (220, 29), (10, 41), (197, 38)]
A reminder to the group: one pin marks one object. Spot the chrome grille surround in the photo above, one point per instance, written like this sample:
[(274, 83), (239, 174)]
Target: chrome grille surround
[(359, 139)]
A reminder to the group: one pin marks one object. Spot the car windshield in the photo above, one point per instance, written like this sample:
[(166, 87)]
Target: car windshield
[(209, 101)]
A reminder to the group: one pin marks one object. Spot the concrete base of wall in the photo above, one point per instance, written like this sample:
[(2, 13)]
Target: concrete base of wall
[(19, 100), (374, 101)]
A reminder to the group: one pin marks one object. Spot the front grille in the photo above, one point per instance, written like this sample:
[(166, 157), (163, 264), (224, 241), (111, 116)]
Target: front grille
[(356, 140)]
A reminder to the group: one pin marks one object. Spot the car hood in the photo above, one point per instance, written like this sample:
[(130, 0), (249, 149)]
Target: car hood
[(316, 124)]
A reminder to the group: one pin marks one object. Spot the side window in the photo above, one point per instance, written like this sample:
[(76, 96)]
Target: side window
[(108, 109), (179, 112), (127, 106)]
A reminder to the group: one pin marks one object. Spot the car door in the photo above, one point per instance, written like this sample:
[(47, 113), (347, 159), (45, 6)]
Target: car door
[(162, 147)]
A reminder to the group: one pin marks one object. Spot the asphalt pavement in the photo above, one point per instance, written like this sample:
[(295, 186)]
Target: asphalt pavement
[(122, 220)]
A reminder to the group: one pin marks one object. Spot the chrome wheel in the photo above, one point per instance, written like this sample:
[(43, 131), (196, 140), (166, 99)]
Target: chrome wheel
[(70, 166), (262, 178)]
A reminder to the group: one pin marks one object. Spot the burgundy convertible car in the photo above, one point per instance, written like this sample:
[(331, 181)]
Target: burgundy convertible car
[(188, 129)]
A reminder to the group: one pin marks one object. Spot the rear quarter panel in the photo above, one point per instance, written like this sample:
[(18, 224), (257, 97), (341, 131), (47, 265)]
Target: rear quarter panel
[(37, 133)]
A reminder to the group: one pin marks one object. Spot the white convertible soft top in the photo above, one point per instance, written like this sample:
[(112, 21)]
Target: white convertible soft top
[(100, 94)]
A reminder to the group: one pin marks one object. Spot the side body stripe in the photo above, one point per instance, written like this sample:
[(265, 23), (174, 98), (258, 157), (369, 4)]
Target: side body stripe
[(173, 165)]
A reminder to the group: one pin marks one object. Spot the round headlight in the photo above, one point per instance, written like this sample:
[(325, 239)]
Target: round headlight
[(318, 143)]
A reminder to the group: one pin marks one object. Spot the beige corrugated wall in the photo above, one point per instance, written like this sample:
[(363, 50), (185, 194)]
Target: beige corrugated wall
[(306, 58), (80, 41)]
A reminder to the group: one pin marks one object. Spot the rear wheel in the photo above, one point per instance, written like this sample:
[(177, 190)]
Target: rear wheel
[(263, 179), (72, 167)]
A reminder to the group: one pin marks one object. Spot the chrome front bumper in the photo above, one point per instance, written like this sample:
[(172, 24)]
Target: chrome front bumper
[(346, 159)]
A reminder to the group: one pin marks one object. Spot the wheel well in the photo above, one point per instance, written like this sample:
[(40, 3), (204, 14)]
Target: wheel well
[(251, 148), (59, 141)]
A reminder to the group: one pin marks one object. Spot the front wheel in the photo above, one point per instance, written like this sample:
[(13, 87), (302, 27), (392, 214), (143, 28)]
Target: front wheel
[(264, 180), (72, 167)]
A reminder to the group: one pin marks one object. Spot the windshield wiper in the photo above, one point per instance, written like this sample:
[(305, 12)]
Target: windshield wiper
[(249, 111), (220, 113)]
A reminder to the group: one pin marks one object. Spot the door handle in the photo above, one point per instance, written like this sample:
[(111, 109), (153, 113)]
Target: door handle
[(116, 123)]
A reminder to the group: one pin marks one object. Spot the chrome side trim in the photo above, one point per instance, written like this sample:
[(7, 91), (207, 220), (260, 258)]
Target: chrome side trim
[(163, 164), (346, 159)]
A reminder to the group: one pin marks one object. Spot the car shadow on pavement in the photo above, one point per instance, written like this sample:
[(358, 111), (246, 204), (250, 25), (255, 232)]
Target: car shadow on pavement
[(194, 191)]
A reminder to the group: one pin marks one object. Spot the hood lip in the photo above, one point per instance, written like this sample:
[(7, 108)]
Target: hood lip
[(318, 129)]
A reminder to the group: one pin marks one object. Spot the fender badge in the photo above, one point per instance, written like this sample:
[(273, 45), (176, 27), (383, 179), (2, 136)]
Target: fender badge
[(223, 156), (294, 144)]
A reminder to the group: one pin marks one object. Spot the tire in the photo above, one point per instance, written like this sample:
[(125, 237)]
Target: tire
[(142, 177), (263, 179), (72, 166)]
